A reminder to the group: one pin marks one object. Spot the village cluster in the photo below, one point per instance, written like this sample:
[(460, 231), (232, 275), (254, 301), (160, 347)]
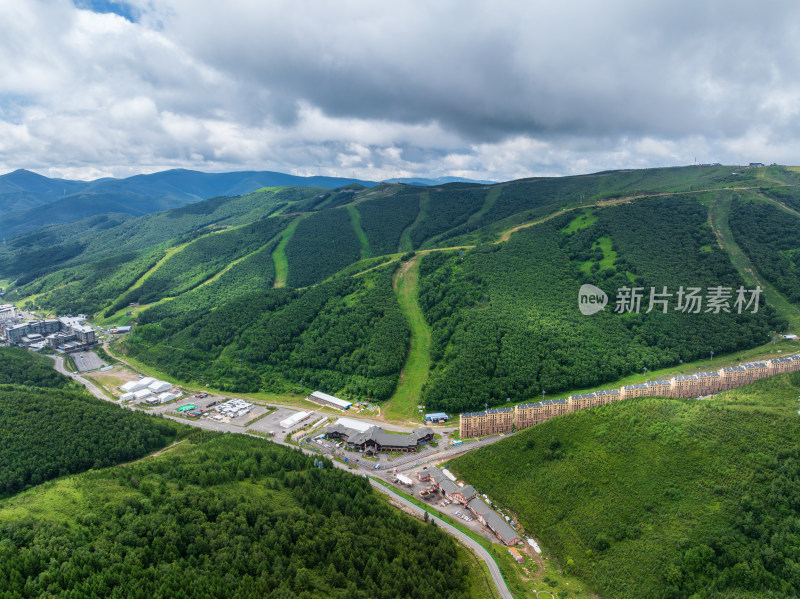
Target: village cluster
[(503, 420)]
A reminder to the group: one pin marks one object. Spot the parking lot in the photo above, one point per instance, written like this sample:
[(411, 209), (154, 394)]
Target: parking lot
[(272, 422), (86, 361)]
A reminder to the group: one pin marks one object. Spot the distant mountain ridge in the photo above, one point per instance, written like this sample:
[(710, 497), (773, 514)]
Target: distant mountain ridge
[(426, 182), (31, 201)]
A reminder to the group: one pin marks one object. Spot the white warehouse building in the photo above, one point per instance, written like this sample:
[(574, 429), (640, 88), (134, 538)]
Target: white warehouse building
[(159, 386), (294, 419), (329, 400)]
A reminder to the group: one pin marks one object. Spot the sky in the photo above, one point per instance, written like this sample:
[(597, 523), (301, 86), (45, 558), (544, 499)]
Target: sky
[(486, 90)]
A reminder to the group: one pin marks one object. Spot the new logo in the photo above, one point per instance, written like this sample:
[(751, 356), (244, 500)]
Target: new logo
[(591, 299)]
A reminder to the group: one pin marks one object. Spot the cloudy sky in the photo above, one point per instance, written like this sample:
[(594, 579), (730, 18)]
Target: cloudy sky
[(490, 90)]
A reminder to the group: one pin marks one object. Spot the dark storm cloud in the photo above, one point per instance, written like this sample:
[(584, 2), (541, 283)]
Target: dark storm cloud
[(490, 70)]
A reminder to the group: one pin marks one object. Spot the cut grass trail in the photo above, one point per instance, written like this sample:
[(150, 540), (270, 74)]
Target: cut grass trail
[(406, 245), (355, 222), (279, 255), (718, 211), (403, 403)]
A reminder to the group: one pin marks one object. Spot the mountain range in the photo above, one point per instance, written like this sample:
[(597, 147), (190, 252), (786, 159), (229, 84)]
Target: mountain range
[(30, 201), (333, 286)]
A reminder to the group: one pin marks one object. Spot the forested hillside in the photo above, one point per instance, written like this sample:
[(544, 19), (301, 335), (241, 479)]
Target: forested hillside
[(228, 516), (500, 270), (347, 334), (505, 317), (657, 498), (49, 430), (21, 367), (771, 239)]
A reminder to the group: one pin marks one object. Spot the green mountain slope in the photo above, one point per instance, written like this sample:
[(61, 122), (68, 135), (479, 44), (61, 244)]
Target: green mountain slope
[(52, 427), (346, 334), (224, 516), (499, 275), (505, 317), (661, 498)]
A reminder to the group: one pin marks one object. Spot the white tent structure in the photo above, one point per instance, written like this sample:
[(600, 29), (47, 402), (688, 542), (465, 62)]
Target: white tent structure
[(142, 393), (159, 386), (132, 386), (294, 419)]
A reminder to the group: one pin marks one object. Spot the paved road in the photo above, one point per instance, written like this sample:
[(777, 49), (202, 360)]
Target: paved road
[(93, 389), (476, 547), (497, 577)]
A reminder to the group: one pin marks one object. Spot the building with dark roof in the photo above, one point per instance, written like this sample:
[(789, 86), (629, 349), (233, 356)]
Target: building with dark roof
[(375, 439), (492, 520)]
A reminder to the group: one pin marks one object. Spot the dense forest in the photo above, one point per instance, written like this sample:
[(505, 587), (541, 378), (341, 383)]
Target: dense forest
[(202, 259), (230, 516), (50, 430), (656, 498), (323, 244), (771, 239), (58, 248), (19, 366), (254, 272), (505, 317), (344, 335), (385, 220)]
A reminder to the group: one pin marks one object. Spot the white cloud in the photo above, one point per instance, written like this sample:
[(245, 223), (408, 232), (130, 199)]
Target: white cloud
[(500, 90)]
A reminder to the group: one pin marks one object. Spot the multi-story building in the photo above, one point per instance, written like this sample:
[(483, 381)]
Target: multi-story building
[(66, 334), (708, 382), (732, 377), (8, 312), (660, 388), (694, 385), (607, 396), (631, 391), (490, 422), (582, 401), (685, 386), (780, 365), (755, 371)]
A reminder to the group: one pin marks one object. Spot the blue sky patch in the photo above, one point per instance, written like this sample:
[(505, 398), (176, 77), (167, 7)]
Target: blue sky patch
[(122, 9)]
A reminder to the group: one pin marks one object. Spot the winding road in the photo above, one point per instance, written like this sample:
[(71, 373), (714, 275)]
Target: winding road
[(463, 538), (466, 540)]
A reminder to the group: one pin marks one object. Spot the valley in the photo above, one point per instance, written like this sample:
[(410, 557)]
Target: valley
[(463, 297)]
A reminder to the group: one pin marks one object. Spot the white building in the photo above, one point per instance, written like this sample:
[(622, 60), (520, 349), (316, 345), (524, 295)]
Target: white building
[(132, 386), (159, 386), (294, 419), (141, 394), (329, 400)]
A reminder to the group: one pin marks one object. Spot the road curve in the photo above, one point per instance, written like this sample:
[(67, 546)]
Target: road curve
[(466, 540), (90, 386), (476, 547)]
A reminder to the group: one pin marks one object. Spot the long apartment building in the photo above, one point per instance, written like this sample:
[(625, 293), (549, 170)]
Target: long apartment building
[(503, 420), (490, 422)]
